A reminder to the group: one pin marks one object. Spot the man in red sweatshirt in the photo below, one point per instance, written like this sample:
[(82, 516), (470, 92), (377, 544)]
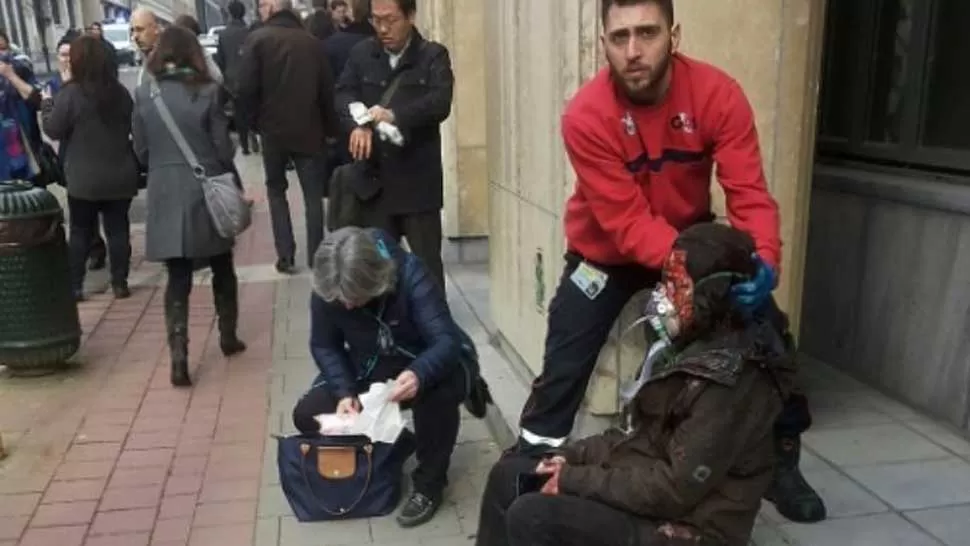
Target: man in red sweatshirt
[(644, 137)]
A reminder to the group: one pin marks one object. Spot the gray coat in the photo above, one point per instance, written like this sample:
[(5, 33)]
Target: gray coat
[(98, 161), (178, 224)]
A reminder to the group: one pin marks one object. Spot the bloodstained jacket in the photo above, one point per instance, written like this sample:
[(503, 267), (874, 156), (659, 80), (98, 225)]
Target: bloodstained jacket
[(701, 456)]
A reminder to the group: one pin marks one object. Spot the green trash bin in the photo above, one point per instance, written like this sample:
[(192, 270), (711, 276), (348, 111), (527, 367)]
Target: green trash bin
[(39, 324)]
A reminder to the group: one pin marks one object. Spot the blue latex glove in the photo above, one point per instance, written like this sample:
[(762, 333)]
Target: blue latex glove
[(751, 296)]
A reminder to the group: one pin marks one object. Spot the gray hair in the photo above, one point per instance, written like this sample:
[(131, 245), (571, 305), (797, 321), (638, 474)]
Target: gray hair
[(350, 268)]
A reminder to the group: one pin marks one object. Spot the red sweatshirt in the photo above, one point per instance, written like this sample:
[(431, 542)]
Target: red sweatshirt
[(638, 185)]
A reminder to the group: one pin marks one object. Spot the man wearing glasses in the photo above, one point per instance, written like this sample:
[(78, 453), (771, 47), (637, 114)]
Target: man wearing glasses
[(405, 82)]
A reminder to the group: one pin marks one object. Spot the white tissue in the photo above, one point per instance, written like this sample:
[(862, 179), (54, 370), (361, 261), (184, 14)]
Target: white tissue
[(379, 419), (386, 131)]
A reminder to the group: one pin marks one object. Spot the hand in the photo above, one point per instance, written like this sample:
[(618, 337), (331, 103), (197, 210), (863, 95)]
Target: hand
[(379, 113), (360, 143), (749, 297), (405, 387), (551, 487), (6, 70), (348, 406), (550, 465)]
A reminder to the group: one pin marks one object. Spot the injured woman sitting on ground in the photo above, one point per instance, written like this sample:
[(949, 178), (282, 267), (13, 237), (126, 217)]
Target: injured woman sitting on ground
[(698, 456)]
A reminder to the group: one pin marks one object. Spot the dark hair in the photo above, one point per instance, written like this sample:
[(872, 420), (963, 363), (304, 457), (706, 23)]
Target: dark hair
[(94, 72), (177, 46), (97, 24), (236, 9), (68, 37), (338, 4), (188, 22), (410, 7), (666, 7), (320, 24)]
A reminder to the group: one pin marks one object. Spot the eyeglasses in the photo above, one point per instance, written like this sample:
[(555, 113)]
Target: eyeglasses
[(387, 22)]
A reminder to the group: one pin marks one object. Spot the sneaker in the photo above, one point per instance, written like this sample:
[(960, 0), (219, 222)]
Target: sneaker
[(418, 509)]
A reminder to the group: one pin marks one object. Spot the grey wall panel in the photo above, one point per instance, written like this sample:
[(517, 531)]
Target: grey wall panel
[(887, 296)]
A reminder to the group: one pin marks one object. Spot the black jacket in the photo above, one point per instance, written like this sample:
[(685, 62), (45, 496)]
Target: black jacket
[(229, 51), (411, 175), (343, 342), (339, 45), (286, 83)]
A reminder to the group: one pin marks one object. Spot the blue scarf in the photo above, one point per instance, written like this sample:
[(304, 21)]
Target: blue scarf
[(18, 126)]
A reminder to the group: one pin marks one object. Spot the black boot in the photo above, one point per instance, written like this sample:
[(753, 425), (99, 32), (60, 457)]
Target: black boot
[(792, 495), (225, 292), (177, 324)]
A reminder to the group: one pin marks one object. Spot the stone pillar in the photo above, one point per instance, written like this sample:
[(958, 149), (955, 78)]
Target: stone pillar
[(538, 54), (460, 25)]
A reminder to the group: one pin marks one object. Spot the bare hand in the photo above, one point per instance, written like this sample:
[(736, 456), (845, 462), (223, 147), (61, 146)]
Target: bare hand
[(379, 113), (551, 487), (550, 465), (405, 387), (360, 143), (348, 406), (6, 69)]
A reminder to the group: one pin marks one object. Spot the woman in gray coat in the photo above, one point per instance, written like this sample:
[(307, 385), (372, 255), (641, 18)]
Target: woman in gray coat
[(91, 115), (179, 229)]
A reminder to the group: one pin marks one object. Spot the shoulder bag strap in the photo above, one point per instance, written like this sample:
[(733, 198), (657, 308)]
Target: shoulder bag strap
[(391, 89), (174, 130)]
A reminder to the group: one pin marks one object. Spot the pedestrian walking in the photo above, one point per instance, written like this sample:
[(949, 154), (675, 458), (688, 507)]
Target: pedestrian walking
[(91, 115), (228, 56), (285, 82), (179, 229), (99, 251)]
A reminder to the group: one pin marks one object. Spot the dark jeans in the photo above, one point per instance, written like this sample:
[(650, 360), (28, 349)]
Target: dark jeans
[(422, 231), (84, 229), (540, 520), (578, 329), (180, 271), (436, 421), (312, 174)]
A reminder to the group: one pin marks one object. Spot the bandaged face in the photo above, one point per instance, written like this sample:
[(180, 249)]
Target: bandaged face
[(670, 309)]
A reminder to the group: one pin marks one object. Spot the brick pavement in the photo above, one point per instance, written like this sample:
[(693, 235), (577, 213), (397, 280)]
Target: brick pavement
[(108, 453)]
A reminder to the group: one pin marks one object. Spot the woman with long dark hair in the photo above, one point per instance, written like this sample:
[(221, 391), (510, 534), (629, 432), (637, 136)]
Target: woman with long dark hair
[(179, 229), (92, 115)]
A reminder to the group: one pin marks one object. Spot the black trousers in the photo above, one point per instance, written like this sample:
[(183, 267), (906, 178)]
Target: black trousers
[(311, 170), (540, 520), (84, 230), (180, 271), (578, 329), (422, 230), (436, 422)]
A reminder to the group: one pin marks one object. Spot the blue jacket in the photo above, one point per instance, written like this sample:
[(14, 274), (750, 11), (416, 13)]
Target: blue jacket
[(344, 343)]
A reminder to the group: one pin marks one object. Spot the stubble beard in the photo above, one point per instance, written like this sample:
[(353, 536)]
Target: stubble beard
[(654, 91)]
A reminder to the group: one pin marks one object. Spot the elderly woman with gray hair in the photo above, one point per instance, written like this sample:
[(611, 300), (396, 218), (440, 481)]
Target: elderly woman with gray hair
[(371, 298)]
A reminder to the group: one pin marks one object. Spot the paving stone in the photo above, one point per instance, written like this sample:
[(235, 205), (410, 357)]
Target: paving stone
[(267, 532), (273, 503), (843, 497), (872, 444), (877, 530), (332, 533), (948, 524), (922, 484), (444, 524)]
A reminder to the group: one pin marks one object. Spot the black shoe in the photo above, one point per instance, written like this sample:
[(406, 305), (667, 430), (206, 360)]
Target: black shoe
[(286, 266), (180, 369), (418, 509), (792, 496), (231, 345), (121, 291)]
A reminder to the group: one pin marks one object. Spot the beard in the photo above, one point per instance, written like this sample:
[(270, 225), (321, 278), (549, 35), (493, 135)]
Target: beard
[(649, 91)]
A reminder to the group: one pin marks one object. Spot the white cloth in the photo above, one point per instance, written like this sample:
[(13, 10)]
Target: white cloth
[(386, 131), (379, 418)]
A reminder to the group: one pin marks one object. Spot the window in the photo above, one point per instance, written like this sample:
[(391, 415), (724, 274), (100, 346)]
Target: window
[(895, 85)]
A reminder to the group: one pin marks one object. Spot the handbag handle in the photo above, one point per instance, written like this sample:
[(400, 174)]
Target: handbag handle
[(369, 451), (174, 131)]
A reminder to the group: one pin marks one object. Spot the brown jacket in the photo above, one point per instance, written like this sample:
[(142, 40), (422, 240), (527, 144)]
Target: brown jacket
[(701, 456), (285, 82)]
